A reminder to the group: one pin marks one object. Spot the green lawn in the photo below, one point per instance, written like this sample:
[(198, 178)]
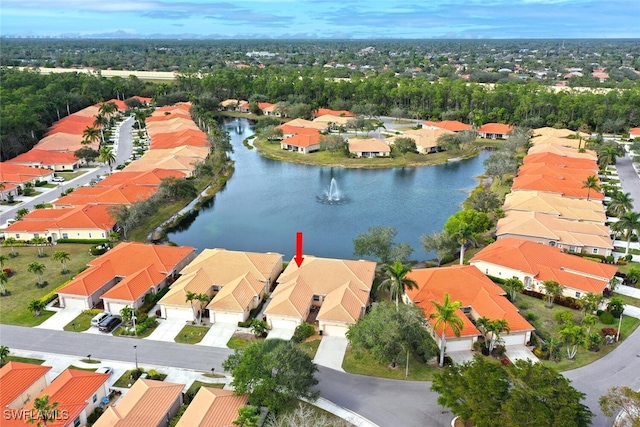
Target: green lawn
[(628, 300), (197, 384), (70, 175), (119, 332), (191, 334), (24, 360), (310, 346), (81, 369), (325, 158), (82, 322), (125, 380), (240, 342), (365, 364), (22, 285)]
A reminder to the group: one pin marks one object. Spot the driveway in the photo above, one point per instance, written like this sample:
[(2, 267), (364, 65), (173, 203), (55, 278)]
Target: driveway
[(331, 352), (166, 330), (61, 319), (520, 352), (460, 357), (219, 335), (282, 333)]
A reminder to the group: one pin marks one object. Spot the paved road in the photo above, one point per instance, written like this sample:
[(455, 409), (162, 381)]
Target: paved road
[(629, 179), (125, 147), (385, 402)]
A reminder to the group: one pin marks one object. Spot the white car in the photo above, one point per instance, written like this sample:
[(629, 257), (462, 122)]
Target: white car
[(58, 179), (99, 318), (104, 370)]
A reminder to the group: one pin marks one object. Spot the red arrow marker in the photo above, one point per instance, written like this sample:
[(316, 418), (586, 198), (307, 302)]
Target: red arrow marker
[(298, 258)]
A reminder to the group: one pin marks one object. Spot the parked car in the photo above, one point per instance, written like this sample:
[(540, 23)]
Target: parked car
[(99, 318), (110, 324), (104, 370), (58, 179)]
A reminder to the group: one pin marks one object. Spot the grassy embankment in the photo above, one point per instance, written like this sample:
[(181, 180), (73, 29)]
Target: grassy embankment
[(22, 285)]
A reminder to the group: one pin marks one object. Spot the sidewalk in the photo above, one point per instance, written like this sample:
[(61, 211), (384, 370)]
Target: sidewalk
[(345, 414)]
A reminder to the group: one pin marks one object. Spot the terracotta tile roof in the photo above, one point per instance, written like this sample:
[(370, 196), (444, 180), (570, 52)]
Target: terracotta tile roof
[(89, 281), (17, 174), (634, 132), (469, 286), (151, 178), (230, 102), (368, 145), (425, 138), (549, 184), (72, 389), (292, 298), (544, 262), (330, 118), (265, 105), (302, 123), (563, 231), (135, 285), (326, 111), (302, 140), (183, 159), (46, 158), (451, 125), (213, 407), (566, 142), (561, 160), (145, 404), (292, 130), (554, 204), (82, 217), (343, 304), (16, 378), (556, 171), (237, 294), (221, 267), (496, 128), (123, 194), (560, 133), (563, 151), (63, 142)]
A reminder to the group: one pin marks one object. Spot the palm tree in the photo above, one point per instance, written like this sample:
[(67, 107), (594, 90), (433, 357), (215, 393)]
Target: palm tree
[(607, 156), (445, 315), (464, 236), (492, 330), (4, 278), (591, 183), (101, 122), (574, 335), (590, 302), (37, 269), (36, 306), (203, 299), (11, 242), (108, 108), (3, 259), (106, 156), (620, 203), (39, 242), (140, 116), (627, 223), (513, 286), (63, 257), (396, 280), (552, 289), (44, 411), (4, 353), (90, 135)]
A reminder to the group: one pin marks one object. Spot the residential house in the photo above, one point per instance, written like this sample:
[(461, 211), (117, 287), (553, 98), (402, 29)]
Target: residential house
[(565, 142), (128, 272), (11, 173), (235, 281), (230, 104), (77, 393), (336, 290), (329, 112), (556, 171), (555, 204), (533, 264), (558, 133), (267, 108), (183, 159), (21, 382), (450, 125), (550, 184), (291, 131), (90, 222), (479, 297), (148, 403), (302, 143), (566, 160), (152, 178), (123, 194), (65, 142), (370, 147), (494, 131), (213, 407), (563, 151), (57, 161), (8, 190), (426, 139), (634, 133), (192, 137), (333, 121), (570, 236)]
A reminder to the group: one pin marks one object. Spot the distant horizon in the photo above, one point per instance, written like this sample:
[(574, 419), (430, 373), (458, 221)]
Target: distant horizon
[(322, 19), (373, 39)]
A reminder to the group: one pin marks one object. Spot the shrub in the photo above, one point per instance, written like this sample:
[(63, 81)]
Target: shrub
[(153, 374), (531, 316), (607, 318), (8, 272), (499, 351), (95, 415), (608, 331), (93, 241), (245, 324), (564, 316), (522, 305), (302, 332), (540, 353), (42, 285)]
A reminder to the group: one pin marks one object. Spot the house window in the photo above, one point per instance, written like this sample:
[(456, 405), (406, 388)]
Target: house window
[(76, 422), (552, 243), (95, 398), (17, 236), (36, 235), (486, 271), (89, 235), (578, 294), (316, 297), (572, 248), (527, 283), (595, 250), (65, 235)]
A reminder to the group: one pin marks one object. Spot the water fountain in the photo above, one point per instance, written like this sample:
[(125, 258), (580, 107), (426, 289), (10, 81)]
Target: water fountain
[(332, 195)]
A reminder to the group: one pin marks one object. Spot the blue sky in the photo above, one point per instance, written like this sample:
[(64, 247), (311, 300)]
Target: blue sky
[(357, 19)]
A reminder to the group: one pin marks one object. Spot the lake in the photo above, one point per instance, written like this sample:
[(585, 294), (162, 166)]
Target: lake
[(266, 202)]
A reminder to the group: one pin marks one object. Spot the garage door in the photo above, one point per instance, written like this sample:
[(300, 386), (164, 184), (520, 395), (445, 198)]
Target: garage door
[(114, 308), (179, 314), (458, 345), (70, 302), (283, 323), (334, 330), (218, 317), (513, 339)]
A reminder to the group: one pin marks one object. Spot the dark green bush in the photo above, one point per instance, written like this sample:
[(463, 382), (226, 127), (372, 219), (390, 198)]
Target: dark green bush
[(91, 241), (302, 332), (607, 318)]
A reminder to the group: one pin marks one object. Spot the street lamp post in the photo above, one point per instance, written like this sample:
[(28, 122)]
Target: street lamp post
[(619, 327), (135, 353)]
